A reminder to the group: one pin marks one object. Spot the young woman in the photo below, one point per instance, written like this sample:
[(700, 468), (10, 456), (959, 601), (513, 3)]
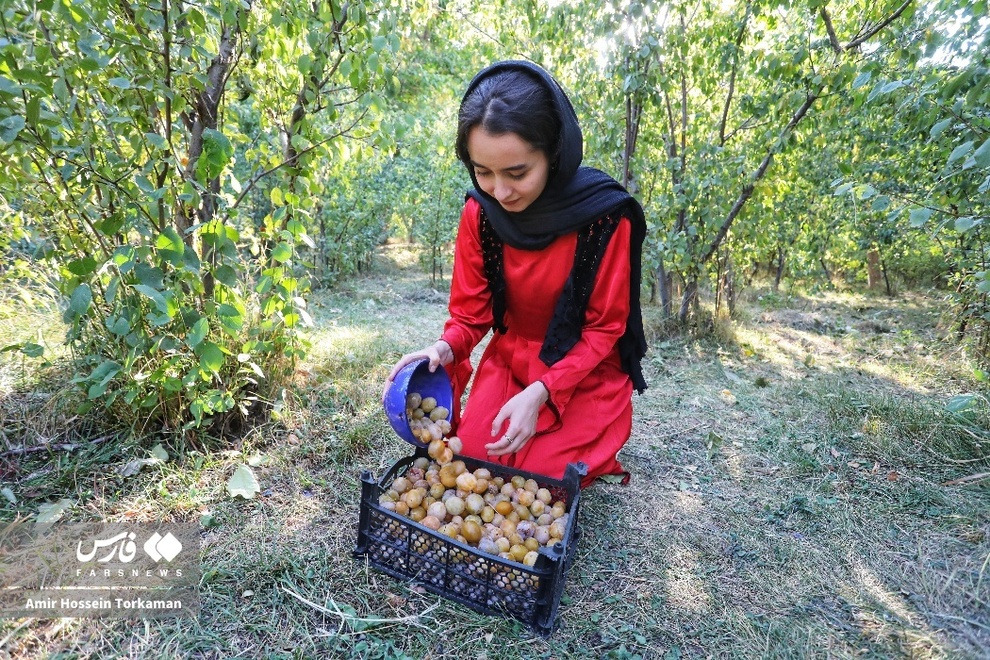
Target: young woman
[(548, 257)]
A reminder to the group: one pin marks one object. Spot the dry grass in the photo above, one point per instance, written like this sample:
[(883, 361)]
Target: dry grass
[(788, 500)]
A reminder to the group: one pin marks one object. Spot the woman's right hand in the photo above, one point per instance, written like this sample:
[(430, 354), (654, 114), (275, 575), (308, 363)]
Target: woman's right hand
[(439, 354)]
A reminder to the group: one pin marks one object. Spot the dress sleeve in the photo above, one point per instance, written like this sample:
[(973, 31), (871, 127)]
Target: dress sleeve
[(604, 322), (470, 305)]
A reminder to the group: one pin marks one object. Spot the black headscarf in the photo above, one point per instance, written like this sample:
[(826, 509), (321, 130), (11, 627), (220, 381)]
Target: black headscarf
[(575, 196)]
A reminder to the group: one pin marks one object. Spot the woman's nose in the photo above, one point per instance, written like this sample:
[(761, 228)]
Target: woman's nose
[(502, 190)]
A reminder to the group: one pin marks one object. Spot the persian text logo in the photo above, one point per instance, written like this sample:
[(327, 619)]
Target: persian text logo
[(122, 546)]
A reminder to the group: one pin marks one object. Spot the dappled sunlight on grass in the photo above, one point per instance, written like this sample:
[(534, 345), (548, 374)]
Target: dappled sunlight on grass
[(686, 503), (868, 582), (343, 341), (894, 619), (686, 589)]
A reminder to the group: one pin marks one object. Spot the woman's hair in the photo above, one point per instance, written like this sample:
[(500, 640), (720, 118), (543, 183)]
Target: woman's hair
[(510, 102)]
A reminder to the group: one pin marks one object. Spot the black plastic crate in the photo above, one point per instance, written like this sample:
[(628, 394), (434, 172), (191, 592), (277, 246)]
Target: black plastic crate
[(486, 583)]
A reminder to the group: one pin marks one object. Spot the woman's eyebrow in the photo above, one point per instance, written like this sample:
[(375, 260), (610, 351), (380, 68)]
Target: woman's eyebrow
[(513, 168)]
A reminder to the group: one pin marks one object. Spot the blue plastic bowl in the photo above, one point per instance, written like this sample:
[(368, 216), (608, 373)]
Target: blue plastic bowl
[(416, 377)]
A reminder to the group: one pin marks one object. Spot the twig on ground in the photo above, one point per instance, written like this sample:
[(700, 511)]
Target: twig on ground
[(10, 635), (960, 618), (968, 479), (345, 618), (65, 446)]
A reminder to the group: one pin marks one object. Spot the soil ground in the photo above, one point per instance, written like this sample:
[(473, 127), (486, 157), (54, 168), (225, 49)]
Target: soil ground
[(799, 490)]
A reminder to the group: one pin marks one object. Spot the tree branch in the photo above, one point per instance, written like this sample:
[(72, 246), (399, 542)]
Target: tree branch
[(870, 33), (833, 38), (732, 79), (747, 190)]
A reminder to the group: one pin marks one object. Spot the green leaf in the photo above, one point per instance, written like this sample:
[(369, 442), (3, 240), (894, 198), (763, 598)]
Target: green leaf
[(122, 83), (32, 350), (8, 86), (281, 252), (81, 299), (843, 189), (217, 152), (150, 276), (865, 191), (159, 452), (243, 483), (226, 274), (959, 152), (118, 325), (10, 127), (82, 267), (919, 216), (982, 155), (154, 295), (198, 333), (966, 223), (170, 240), (210, 357), (938, 128), (960, 402), (157, 141), (862, 79)]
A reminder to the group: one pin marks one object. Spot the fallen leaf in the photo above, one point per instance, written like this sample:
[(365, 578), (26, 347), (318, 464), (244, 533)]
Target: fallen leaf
[(243, 483), (712, 444), (8, 494), (809, 447), (893, 476), (49, 513)]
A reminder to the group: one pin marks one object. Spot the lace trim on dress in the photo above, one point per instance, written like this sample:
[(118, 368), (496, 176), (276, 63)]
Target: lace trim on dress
[(491, 253), (568, 317)]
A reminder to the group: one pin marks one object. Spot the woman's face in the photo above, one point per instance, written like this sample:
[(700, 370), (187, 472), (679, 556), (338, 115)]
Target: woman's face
[(508, 168)]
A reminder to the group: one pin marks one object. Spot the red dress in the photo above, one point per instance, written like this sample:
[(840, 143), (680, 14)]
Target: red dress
[(588, 416)]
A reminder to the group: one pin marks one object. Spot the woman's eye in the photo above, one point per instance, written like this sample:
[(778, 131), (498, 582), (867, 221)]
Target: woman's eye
[(517, 177), (479, 173)]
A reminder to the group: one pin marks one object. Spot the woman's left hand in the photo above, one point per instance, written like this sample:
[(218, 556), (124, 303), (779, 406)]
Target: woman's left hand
[(521, 413)]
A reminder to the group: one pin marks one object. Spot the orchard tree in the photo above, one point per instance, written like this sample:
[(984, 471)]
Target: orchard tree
[(927, 170), (134, 136), (718, 92)]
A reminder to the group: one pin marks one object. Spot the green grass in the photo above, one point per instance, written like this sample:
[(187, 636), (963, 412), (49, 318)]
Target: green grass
[(781, 505)]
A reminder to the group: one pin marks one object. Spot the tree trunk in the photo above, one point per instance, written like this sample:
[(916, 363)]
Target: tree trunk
[(779, 267), (729, 285), (665, 284), (690, 293), (886, 279), (874, 276)]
